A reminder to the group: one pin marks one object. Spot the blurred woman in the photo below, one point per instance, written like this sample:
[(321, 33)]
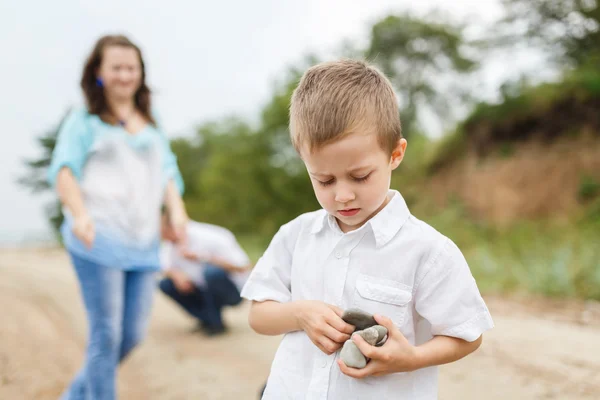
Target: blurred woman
[(113, 170)]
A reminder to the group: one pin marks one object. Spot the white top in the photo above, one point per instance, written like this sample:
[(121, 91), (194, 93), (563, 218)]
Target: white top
[(122, 178), (206, 240), (394, 265)]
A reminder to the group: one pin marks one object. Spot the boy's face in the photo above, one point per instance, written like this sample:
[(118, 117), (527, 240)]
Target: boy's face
[(351, 177)]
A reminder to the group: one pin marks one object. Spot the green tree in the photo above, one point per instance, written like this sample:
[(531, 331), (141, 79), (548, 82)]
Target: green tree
[(568, 30), (229, 180), (252, 180), (35, 180), (193, 156), (423, 60)]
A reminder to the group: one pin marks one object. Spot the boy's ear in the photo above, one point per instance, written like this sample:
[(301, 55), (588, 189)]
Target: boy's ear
[(398, 153)]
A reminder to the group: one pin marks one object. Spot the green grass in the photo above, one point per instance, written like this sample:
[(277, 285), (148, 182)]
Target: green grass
[(543, 257), (564, 264), (589, 188)]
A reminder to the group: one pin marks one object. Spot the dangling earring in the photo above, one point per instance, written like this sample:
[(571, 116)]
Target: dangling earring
[(99, 82)]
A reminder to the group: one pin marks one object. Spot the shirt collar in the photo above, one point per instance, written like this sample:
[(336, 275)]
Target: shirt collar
[(385, 224), (319, 222)]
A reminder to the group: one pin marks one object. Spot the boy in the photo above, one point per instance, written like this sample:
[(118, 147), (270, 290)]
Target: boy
[(205, 273), (363, 249)]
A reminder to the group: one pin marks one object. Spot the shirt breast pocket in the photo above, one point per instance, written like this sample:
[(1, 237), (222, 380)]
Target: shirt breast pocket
[(382, 296)]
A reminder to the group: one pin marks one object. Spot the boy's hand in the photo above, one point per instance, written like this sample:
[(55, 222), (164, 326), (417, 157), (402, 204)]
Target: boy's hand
[(323, 324), (396, 355)]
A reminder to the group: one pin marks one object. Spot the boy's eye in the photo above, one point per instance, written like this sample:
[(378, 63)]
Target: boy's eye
[(326, 183), (362, 178)]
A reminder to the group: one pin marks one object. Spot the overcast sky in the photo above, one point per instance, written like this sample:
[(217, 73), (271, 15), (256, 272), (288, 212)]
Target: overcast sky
[(204, 60)]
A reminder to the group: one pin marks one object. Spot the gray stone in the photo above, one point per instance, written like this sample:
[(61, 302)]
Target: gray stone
[(351, 355), (382, 341), (382, 334), (371, 335), (359, 318)]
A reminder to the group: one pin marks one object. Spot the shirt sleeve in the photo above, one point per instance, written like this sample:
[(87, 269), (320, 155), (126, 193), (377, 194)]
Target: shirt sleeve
[(270, 278), (448, 298), (72, 144), (170, 168), (233, 253)]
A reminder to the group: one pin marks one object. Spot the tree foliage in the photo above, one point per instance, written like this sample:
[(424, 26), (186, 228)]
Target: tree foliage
[(568, 30)]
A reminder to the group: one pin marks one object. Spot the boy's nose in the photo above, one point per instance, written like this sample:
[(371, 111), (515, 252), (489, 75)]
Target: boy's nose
[(344, 196)]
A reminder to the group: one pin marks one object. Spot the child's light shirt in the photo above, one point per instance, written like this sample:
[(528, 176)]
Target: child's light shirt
[(122, 178), (207, 240), (394, 265)]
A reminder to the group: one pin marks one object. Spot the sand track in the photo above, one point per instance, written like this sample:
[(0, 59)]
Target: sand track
[(540, 349)]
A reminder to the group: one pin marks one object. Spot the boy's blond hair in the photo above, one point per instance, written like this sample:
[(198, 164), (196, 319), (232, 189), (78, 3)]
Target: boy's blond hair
[(334, 99)]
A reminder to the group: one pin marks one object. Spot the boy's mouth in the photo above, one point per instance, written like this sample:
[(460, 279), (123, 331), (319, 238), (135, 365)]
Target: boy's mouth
[(349, 212)]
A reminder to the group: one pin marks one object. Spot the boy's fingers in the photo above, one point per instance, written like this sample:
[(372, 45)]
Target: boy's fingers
[(351, 372), (327, 345), (341, 325), (335, 335), (389, 324), (365, 348), (336, 309), (355, 372)]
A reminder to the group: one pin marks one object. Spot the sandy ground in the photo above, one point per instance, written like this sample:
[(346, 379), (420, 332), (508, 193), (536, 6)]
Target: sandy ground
[(540, 349)]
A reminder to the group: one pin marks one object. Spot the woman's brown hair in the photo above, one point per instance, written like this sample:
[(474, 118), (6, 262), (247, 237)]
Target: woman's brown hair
[(94, 93)]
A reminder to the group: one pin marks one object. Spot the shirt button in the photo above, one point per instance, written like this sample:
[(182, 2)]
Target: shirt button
[(324, 363), (338, 254)]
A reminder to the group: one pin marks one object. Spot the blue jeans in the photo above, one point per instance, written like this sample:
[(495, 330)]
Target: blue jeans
[(206, 303), (118, 305)]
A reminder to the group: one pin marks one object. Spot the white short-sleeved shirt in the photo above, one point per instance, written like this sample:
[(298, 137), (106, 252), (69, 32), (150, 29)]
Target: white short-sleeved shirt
[(207, 240), (394, 265)]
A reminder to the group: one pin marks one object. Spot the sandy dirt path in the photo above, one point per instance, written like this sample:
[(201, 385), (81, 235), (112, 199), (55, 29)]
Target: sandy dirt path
[(540, 349)]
